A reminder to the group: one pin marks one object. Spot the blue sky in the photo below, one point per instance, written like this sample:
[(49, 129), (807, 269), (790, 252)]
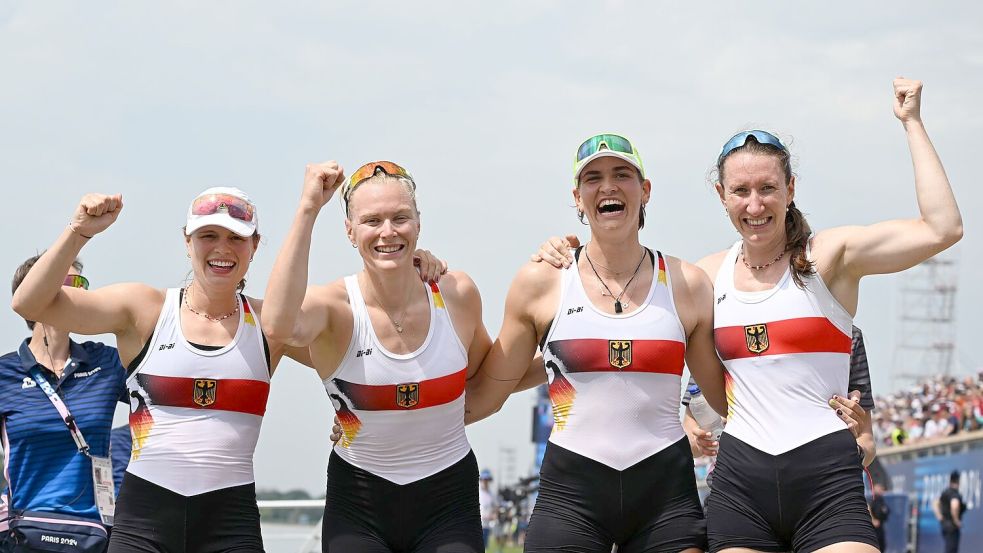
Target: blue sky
[(485, 104)]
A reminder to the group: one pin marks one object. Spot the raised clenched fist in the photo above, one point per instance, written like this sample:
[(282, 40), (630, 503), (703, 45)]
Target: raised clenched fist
[(321, 180), (95, 213), (907, 99)]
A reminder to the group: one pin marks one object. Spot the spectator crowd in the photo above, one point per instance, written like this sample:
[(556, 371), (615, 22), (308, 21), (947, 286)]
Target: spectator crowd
[(936, 408)]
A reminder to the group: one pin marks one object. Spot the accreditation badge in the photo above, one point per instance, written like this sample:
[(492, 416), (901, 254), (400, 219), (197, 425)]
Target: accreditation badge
[(105, 489)]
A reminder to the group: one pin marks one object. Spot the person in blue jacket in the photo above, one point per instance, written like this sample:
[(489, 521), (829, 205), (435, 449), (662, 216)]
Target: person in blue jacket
[(45, 470)]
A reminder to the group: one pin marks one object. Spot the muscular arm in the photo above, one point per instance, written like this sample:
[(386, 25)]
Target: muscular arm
[(535, 375), (127, 310), (508, 359), (462, 298), (695, 306), (291, 315), (896, 245)]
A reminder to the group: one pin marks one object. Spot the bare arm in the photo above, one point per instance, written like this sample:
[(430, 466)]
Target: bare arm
[(535, 375), (893, 246), (508, 358), (697, 316), (289, 316), (463, 299), (113, 309), (866, 440), (954, 510)]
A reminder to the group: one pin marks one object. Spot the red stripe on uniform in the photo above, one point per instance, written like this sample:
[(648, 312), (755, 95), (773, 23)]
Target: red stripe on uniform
[(402, 397), (594, 355), (239, 395), (803, 335)]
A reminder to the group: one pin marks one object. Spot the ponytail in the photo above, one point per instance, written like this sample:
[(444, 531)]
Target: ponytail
[(797, 234)]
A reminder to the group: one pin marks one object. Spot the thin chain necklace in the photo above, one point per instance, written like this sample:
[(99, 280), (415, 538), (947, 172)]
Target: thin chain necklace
[(611, 271), (187, 292), (618, 308), (397, 323), (760, 267)]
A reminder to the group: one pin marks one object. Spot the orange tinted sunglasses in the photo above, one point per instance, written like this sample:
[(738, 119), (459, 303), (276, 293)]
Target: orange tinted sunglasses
[(370, 170)]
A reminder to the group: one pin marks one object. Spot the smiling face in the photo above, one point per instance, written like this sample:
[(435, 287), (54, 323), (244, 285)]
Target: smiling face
[(756, 193), (220, 257), (383, 222), (611, 194)]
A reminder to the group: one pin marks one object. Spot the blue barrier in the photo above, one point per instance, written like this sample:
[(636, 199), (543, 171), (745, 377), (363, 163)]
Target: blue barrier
[(922, 472)]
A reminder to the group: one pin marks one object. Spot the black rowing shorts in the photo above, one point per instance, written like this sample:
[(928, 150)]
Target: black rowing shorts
[(802, 500), (586, 507), (153, 519), (369, 514)]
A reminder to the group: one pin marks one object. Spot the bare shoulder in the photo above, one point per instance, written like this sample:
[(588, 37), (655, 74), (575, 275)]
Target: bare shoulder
[(536, 277), (334, 298), (459, 288), (334, 292), (692, 276), (534, 295), (691, 285), (711, 263), (457, 282), (828, 245)]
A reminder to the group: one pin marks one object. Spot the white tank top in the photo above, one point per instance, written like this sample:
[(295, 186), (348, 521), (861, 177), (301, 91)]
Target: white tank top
[(786, 351), (402, 415), (195, 414), (614, 380)]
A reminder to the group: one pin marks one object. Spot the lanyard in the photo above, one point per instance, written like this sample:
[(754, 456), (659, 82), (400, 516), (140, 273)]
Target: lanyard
[(62, 409), (102, 467)]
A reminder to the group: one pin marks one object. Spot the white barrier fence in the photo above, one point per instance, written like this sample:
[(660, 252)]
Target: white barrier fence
[(293, 538)]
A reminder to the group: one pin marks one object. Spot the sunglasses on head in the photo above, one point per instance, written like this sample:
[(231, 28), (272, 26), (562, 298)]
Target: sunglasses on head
[(76, 281), (370, 170), (611, 142), (740, 139), (235, 207)]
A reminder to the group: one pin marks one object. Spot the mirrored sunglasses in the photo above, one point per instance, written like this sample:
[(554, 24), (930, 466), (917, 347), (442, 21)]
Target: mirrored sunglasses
[(76, 281), (612, 142), (740, 139), (235, 207)]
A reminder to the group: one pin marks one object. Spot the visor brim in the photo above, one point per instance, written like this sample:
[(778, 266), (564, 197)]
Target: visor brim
[(224, 220), (582, 164)]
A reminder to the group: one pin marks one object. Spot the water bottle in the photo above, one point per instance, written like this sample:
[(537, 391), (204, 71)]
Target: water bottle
[(705, 416)]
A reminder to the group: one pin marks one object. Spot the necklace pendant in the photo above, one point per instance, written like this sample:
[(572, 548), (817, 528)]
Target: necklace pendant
[(399, 327), (617, 307)]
